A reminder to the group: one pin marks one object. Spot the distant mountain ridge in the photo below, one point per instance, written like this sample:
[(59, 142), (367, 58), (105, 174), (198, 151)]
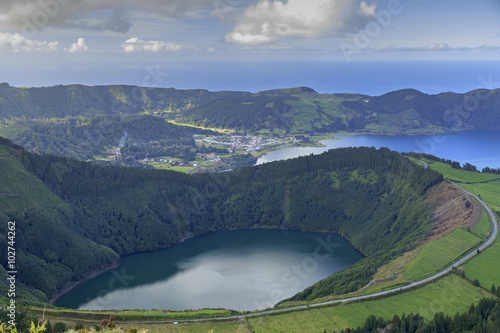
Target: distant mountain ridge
[(281, 111)]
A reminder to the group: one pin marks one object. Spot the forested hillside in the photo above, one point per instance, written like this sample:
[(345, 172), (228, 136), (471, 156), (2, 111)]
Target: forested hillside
[(74, 217), (138, 136), (49, 252), (283, 111), (302, 110), (78, 100)]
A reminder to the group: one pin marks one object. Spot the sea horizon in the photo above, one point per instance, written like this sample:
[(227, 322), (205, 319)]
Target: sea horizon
[(372, 78)]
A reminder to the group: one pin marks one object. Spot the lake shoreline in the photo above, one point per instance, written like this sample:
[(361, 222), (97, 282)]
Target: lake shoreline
[(71, 285), (313, 241), (471, 146)]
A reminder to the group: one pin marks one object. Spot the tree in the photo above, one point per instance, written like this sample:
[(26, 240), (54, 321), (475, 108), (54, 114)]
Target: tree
[(381, 322), (371, 323), (60, 327), (469, 167), (48, 327), (493, 289)]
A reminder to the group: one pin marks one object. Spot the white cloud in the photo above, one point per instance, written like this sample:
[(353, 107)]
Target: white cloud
[(79, 46), (437, 47), (271, 20), (368, 10), (136, 45), (18, 42)]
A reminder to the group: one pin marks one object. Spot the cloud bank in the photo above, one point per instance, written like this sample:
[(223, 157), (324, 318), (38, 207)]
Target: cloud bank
[(136, 45), (272, 20), (108, 15), (17, 42)]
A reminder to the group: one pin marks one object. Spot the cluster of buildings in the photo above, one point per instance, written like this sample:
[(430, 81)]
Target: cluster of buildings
[(248, 143)]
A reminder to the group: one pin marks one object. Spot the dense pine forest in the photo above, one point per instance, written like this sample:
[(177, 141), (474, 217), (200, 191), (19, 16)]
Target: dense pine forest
[(74, 217), (138, 136)]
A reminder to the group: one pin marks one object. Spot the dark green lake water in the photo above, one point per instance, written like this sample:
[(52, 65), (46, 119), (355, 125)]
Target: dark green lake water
[(240, 270)]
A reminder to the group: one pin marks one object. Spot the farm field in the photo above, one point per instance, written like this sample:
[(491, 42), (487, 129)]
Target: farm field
[(439, 253), (485, 267), (484, 226)]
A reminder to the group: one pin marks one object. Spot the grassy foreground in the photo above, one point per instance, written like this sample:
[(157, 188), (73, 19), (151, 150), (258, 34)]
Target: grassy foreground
[(450, 294)]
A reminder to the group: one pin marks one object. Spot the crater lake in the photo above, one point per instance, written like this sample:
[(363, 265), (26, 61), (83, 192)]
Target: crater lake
[(238, 270)]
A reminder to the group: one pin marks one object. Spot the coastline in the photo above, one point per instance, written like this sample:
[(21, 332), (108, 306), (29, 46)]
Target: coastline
[(316, 140), (71, 285)]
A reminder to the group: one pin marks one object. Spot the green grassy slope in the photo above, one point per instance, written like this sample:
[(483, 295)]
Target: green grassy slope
[(450, 295), (484, 267), (485, 185), (440, 253)]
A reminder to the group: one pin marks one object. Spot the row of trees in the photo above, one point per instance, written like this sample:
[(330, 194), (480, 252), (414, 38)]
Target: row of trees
[(454, 164), (483, 317)]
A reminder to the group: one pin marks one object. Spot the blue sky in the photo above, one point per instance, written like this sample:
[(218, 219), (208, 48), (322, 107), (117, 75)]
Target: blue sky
[(45, 42)]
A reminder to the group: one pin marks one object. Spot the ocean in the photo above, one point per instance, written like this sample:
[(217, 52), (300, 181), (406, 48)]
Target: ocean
[(363, 77), (371, 78)]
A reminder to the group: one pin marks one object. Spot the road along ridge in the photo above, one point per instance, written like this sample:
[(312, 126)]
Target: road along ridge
[(445, 271)]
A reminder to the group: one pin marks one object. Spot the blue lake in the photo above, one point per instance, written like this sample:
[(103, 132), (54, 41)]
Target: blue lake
[(480, 148), (239, 270)]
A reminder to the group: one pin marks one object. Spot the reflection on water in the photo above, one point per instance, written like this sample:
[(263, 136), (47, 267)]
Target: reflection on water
[(245, 270)]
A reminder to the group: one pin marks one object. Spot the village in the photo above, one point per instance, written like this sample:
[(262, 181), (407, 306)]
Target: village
[(232, 151), (246, 143)]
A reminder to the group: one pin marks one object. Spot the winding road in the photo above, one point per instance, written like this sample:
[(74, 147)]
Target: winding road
[(487, 243)]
